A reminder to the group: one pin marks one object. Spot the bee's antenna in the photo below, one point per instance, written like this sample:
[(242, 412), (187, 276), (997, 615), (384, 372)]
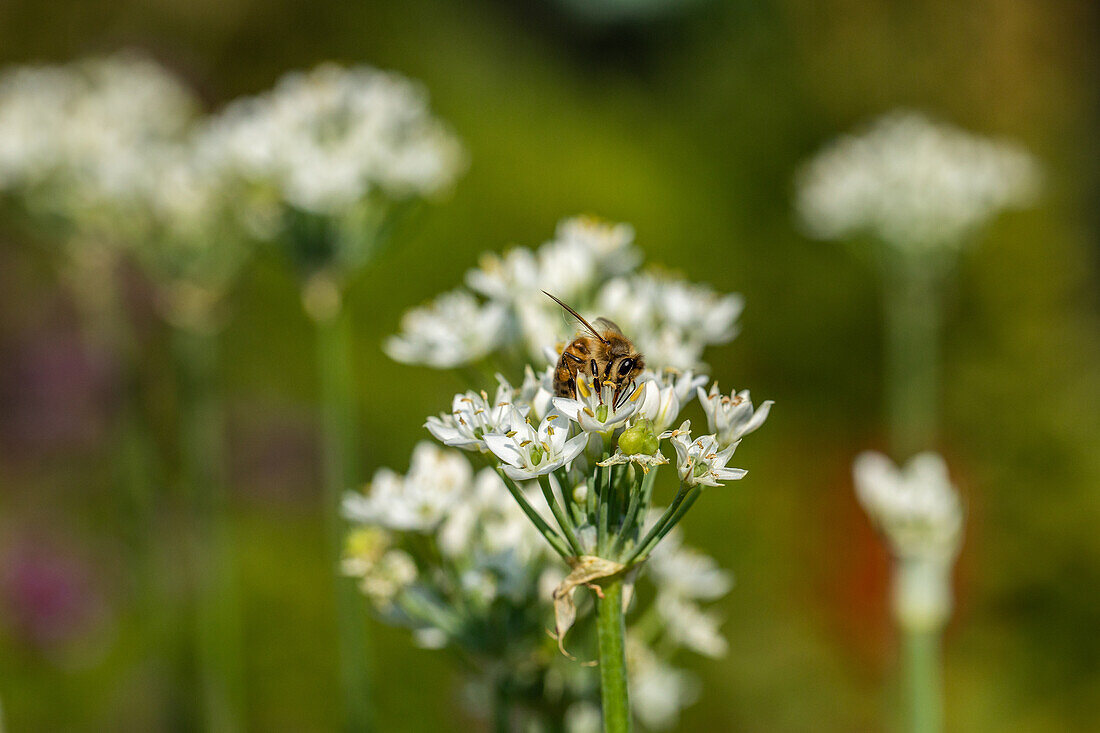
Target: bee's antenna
[(576, 315)]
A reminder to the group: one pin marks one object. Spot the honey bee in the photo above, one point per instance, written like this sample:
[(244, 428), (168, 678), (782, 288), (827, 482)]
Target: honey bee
[(605, 354)]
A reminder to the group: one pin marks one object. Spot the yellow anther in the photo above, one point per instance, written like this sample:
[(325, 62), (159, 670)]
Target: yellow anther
[(510, 434), (552, 417), (583, 389), (637, 393), (588, 411), (524, 444)]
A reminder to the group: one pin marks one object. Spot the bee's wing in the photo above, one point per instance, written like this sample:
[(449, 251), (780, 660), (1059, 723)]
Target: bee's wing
[(606, 324)]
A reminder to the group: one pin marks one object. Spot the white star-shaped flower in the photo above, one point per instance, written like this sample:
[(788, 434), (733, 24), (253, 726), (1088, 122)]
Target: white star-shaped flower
[(528, 452), (732, 417), (702, 461), (474, 415)]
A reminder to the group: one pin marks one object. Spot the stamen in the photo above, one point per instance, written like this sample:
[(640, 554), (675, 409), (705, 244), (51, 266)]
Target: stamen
[(583, 389)]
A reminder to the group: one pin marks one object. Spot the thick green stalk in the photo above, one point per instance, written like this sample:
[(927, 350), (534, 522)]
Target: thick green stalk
[(912, 323), (610, 630), (341, 471), (923, 686), (217, 605)]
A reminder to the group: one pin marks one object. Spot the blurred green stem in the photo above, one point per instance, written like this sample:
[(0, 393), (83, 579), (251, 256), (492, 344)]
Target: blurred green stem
[(923, 686), (610, 628), (340, 465), (202, 436), (912, 320)]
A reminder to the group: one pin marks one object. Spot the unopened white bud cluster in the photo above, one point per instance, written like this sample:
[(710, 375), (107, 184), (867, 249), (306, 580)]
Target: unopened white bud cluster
[(917, 508)]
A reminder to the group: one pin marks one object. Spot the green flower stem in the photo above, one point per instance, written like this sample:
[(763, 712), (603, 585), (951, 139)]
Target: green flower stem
[(691, 498), (591, 499), (547, 531), (502, 708), (656, 530), (341, 471), (604, 481), (923, 686), (912, 324), (576, 515), (610, 628), (217, 605), (637, 492), (559, 514)]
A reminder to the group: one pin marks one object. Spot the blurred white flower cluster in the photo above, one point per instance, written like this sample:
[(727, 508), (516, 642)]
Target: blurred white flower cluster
[(321, 162), (328, 139), (449, 554), (915, 184), (81, 136), (116, 150), (593, 266), (918, 510)]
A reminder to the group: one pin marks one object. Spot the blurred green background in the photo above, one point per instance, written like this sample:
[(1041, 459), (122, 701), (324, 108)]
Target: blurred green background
[(688, 124)]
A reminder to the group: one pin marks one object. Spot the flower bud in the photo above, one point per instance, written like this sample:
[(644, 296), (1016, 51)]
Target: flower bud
[(639, 439)]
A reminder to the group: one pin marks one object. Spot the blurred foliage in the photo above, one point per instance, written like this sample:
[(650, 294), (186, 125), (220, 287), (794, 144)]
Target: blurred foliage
[(688, 126)]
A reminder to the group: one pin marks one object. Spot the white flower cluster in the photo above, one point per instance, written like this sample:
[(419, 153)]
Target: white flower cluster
[(476, 529), (565, 429), (593, 455), (918, 510), (326, 140), (592, 265), (450, 554), (916, 184), (86, 131)]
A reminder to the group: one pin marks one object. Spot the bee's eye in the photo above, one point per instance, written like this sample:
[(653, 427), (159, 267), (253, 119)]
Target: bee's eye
[(625, 366)]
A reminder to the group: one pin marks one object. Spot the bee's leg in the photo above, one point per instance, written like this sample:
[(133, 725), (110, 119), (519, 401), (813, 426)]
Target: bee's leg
[(622, 394), (596, 379)]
